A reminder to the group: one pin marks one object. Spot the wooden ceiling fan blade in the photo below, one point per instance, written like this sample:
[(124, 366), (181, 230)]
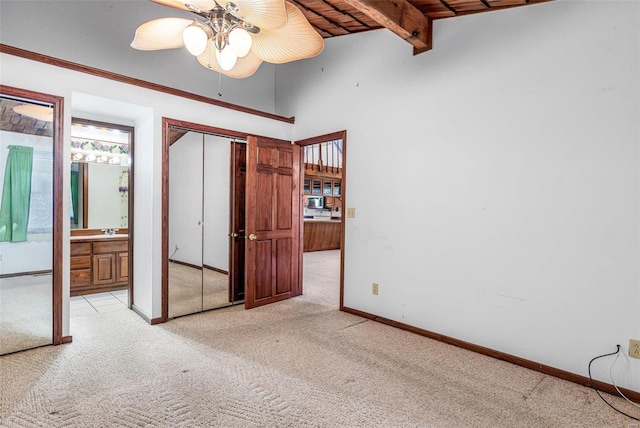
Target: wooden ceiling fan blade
[(264, 14), (245, 67), (295, 40), (162, 33), (204, 5)]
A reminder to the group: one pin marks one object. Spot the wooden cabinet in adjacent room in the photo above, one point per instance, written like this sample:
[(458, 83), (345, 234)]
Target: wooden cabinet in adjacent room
[(99, 264)]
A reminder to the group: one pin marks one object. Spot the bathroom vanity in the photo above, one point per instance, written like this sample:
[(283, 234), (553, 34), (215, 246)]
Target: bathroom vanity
[(99, 263)]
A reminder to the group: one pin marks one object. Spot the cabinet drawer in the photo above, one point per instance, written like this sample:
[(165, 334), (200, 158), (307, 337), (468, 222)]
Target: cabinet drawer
[(80, 277), (80, 248), (110, 247), (80, 262)]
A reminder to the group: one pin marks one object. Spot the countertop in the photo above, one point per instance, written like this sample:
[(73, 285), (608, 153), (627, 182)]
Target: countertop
[(323, 220), (115, 237)]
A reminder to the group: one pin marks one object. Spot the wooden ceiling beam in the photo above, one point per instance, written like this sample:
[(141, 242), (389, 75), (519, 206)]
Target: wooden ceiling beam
[(402, 18)]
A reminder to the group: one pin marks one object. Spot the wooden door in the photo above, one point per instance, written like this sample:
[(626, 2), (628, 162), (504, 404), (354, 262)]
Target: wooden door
[(238, 233), (273, 205)]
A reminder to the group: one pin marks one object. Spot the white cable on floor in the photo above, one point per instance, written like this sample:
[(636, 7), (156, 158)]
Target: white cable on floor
[(613, 382)]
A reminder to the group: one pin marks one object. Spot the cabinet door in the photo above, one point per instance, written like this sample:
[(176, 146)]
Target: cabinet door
[(122, 267), (104, 269), (327, 187), (317, 187), (307, 186), (336, 188)]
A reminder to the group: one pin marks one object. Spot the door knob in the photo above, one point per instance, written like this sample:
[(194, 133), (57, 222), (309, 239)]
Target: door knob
[(252, 237), (233, 235)]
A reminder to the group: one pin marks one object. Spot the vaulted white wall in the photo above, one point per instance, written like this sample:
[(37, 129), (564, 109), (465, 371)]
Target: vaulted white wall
[(495, 178)]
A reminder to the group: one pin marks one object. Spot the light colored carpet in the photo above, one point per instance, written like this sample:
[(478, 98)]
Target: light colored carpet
[(25, 312), (294, 363)]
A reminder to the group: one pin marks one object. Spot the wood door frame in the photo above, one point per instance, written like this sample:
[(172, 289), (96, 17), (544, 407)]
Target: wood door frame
[(58, 163), (339, 135), (168, 123)]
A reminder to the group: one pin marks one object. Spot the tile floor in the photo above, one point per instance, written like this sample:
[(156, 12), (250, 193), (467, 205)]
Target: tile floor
[(99, 302)]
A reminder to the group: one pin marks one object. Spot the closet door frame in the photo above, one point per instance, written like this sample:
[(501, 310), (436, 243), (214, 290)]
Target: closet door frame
[(167, 124)]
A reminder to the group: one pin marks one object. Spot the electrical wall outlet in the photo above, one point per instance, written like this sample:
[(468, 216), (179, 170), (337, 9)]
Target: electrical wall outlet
[(374, 289), (351, 213), (634, 348)]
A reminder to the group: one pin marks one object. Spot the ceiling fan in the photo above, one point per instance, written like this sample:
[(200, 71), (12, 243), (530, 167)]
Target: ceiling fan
[(233, 38)]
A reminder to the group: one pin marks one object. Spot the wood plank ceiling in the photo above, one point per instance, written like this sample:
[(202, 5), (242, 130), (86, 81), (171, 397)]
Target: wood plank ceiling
[(410, 19), (11, 121)]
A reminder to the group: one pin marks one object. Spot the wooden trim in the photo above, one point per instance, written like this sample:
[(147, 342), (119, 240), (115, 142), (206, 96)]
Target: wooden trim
[(85, 195), (33, 272), (152, 321), (402, 18), (321, 139), (67, 339), (164, 241), (130, 222), (178, 262), (57, 142), (215, 269), (522, 362), (57, 62)]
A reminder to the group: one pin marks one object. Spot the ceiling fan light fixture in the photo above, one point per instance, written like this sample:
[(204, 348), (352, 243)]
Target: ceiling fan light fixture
[(240, 41), (35, 112), (226, 58), (195, 38)]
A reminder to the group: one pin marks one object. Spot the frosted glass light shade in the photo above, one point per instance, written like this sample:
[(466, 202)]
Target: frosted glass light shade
[(226, 58), (195, 39), (162, 33), (240, 41), (245, 67)]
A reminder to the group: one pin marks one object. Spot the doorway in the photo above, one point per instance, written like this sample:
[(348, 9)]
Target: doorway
[(323, 161), (270, 235), (101, 216)]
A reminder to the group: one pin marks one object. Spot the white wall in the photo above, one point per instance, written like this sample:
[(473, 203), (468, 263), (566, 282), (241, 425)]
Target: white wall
[(98, 33), (34, 254), (495, 178)]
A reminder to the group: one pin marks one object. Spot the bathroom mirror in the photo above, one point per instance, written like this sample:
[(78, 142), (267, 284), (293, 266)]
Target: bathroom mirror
[(99, 175), (99, 196)]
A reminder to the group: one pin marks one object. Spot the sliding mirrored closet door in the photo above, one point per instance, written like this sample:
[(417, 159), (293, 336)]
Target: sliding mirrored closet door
[(201, 210), (26, 224)]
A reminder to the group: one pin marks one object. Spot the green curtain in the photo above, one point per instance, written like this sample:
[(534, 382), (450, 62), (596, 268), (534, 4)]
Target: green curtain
[(16, 194), (74, 197)]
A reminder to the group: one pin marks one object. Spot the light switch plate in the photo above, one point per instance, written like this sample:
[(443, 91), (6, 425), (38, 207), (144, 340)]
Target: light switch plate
[(351, 213)]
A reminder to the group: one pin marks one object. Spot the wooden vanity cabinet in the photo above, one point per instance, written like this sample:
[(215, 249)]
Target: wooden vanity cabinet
[(99, 264)]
